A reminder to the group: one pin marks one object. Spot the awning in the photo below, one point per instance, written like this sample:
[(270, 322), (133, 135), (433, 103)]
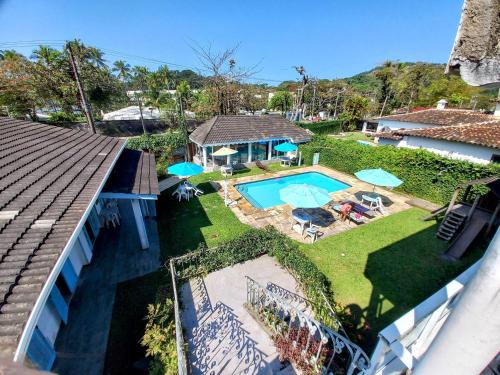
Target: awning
[(134, 174)]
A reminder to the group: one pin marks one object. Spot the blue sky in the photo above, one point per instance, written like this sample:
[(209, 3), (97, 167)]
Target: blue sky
[(330, 38)]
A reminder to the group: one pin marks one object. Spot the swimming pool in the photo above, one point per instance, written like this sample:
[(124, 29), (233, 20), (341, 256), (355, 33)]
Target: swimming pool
[(266, 193)]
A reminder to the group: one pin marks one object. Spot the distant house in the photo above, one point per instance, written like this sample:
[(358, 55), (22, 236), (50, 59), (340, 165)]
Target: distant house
[(54, 187), (454, 133), (474, 143), (132, 113), (254, 137)]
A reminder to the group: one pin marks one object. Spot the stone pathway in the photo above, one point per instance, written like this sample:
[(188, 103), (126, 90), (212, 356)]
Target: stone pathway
[(281, 216), (222, 336), (81, 344)]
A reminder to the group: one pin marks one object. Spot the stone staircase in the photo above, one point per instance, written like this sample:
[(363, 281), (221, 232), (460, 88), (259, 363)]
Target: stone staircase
[(450, 225)]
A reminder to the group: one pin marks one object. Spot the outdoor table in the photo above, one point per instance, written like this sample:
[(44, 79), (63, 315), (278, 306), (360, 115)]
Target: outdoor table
[(303, 219)]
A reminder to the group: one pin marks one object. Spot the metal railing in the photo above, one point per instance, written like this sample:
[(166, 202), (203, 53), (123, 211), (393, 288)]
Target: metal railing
[(179, 336), (326, 350)]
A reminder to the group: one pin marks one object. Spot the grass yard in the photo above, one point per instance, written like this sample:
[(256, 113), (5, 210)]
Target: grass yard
[(184, 225), (352, 136), (383, 269)]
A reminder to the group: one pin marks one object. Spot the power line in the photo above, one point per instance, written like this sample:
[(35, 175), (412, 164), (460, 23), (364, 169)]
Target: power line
[(115, 53)]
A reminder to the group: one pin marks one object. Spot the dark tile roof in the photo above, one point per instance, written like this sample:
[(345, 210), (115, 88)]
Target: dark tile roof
[(242, 129), (444, 117), (48, 177), (134, 173), (487, 135)]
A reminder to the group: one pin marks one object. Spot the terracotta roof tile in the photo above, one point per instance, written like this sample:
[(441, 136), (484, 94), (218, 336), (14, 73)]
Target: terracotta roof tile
[(444, 117), (487, 135)]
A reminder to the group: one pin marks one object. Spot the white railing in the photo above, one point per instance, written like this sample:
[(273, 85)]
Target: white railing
[(406, 339), (179, 336), (326, 350)]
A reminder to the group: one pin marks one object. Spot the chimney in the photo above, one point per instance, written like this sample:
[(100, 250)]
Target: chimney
[(442, 104)]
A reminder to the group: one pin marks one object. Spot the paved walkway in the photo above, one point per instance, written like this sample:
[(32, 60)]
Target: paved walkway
[(222, 336), (81, 344)]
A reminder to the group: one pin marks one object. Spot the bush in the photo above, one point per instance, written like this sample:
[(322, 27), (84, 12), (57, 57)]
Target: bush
[(157, 143), (425, 174), (159, 338), (323, 127), (162, 145), (61, 117)]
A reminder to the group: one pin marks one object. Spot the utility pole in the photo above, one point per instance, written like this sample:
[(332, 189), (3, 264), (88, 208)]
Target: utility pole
[(182, 121), (85, 105)]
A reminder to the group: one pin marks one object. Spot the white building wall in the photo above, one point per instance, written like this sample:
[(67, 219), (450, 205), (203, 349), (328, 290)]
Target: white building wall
[(49, 322), (395, 125), (452, 150)]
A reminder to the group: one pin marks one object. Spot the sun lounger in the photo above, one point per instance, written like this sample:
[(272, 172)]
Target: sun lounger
[(354, 216), (360, 209), (259, 164)]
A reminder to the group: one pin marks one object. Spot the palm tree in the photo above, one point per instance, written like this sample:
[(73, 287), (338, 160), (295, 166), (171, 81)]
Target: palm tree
[(45, 54), (10, 54), (123, 70)]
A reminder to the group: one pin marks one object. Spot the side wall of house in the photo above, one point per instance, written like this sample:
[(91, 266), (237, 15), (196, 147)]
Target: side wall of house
[(452, 150)]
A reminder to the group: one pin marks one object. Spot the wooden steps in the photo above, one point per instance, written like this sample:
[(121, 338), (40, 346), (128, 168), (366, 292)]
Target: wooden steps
[(450, 225)]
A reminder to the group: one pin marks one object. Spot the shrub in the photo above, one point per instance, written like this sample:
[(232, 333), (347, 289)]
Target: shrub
[(159, 338), (323, 127), (162, 145), (61, 117), (157, 143), (425, 174)]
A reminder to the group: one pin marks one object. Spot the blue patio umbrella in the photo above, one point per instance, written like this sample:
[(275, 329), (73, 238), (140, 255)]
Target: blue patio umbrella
[(285, 147), (185, 169), (378, 177), (304, 196)]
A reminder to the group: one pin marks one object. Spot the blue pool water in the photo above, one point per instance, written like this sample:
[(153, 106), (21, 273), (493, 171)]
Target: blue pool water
[(266, 193)]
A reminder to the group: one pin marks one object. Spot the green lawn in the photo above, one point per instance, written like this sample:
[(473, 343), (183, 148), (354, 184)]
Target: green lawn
[(352, 136), (383, 269)]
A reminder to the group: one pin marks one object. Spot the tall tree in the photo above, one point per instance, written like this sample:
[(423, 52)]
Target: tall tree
[(122, 70)]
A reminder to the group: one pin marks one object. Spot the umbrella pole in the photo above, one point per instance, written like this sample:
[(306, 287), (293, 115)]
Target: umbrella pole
[(226, 202)]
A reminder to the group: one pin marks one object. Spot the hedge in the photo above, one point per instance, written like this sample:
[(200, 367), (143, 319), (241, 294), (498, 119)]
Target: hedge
[(425, 174), (323, 127)]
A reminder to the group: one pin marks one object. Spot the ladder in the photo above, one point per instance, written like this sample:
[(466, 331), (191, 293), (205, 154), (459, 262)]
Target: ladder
[(450, 225)]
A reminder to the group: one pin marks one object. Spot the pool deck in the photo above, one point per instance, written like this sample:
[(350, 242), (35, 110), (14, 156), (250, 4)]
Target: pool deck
[(281, 216)]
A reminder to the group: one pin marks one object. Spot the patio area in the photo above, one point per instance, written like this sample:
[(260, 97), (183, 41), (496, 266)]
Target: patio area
[(328, 220), (222, 336)]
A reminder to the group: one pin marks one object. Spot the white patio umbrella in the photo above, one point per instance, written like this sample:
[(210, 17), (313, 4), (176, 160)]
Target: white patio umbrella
[(225, 151)]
